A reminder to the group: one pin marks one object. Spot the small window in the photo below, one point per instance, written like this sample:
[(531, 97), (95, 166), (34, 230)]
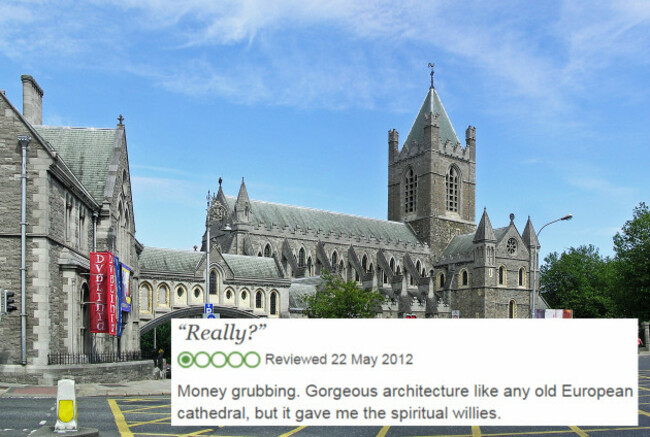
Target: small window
[(197, 293), (244, 295), (213, 282), (267, 251), (512, 309), (364, 263), (301, 257), (334, 259), (228, 294), (259, 298), (465, 279), (274, 303), (522, 277), (441, 280), (502, 275), (392, 265)]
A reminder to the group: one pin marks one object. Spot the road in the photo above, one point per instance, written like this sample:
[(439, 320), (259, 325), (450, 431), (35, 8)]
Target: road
[(151, 416)]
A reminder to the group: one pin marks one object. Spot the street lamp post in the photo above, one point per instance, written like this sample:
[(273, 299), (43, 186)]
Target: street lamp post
[(536, 262)]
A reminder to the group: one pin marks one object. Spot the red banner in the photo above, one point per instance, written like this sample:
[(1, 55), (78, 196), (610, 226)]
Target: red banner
[(99, 262), (103, 300)]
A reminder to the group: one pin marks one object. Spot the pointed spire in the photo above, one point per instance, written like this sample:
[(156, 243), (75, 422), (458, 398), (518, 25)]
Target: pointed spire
[(530, 236), (432, 112), (243, 194), (242, 205), (484, 232)]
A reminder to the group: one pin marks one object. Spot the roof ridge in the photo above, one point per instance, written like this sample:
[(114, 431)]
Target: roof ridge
[(75, 127), (172, 250), (323, 210)]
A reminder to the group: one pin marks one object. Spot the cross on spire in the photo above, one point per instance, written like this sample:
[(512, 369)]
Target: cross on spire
[(431, 66), (121, 120)]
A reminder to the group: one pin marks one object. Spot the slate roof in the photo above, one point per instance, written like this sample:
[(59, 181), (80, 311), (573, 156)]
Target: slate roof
[(301, 288), (170, 260), (87, 152), (432, 104), (252, 266), (459, 246), (296, 217)]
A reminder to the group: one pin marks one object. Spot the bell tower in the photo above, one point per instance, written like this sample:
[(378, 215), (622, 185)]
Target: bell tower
[(432, 179)]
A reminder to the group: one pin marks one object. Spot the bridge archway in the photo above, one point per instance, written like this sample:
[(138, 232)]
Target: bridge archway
[(195, 312)]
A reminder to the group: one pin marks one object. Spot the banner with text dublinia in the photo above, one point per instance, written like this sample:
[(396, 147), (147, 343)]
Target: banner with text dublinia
[(99, 262)]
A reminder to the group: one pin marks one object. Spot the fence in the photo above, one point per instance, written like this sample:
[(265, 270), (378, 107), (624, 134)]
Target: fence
[(93, 358)]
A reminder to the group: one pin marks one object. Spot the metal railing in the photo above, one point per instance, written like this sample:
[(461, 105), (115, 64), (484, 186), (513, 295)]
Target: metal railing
[(93, 358)]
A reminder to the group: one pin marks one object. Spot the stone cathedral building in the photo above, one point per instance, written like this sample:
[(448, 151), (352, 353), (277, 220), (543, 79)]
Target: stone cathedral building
[(256, 258)]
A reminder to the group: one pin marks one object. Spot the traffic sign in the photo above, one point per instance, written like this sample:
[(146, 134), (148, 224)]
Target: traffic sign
[(209, 308)]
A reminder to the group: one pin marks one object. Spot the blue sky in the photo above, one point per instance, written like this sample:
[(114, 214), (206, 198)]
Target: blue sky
[(297, 96)]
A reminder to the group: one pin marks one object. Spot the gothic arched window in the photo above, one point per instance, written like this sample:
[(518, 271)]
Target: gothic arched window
[(213, 282), (410, 191), (301, 257), (522, 277), (274, 303), (465, 279), (267, 251), (512, 309), (334, 258), (502, 275), (364, 263), (452, 189)]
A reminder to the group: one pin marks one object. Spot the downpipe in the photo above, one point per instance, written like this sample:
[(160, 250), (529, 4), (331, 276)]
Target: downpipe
[(24, 141)]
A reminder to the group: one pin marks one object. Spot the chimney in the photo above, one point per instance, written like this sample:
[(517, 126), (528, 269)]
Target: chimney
[(32, 100)]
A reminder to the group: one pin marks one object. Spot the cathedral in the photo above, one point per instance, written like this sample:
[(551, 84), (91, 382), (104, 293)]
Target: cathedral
[(66, 192)]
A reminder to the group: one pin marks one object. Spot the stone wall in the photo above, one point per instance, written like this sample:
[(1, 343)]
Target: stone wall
[(80, 373)]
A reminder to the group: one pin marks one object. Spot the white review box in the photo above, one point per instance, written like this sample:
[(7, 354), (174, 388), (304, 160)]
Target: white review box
[(423, 372)]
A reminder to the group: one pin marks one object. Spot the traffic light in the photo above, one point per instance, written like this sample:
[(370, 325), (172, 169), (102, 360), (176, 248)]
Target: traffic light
[(410, 316), (9, 303)]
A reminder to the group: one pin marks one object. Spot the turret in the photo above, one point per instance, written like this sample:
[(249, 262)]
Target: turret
[(484, 253), (242, 208), (470, 142), (393, 144)]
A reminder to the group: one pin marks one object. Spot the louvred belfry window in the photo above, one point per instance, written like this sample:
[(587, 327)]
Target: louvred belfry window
[(411, 185), (452, 189)]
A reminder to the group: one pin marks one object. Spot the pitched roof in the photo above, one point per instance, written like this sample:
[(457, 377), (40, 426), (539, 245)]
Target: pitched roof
[(459, 246), (170, 260), (252, 266), (86, 151), (432, 104), (296, 217)]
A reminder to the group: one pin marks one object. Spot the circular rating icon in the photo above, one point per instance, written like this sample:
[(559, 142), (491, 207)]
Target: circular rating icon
[(219, 359)]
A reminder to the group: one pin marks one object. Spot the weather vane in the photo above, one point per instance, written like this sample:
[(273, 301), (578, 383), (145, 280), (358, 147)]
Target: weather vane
[(431, 66)]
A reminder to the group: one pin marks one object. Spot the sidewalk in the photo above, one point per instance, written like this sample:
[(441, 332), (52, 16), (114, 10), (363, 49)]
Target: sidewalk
[(136, 388)]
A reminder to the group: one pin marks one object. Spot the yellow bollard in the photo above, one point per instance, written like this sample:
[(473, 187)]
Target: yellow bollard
[(66, 406)]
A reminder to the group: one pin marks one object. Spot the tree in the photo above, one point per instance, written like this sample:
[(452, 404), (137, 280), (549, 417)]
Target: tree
[(338, 299), (579, 279), (163, 341), (632, 261)]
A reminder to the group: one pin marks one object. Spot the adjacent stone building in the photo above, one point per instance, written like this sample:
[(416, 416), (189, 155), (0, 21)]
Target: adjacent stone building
[(74, 187)]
